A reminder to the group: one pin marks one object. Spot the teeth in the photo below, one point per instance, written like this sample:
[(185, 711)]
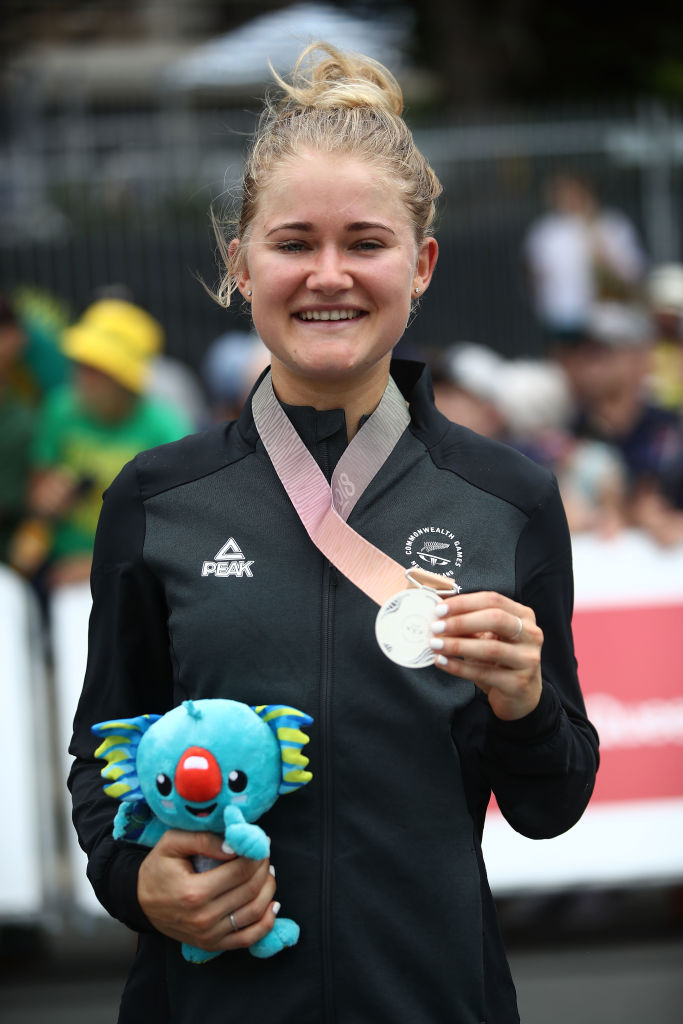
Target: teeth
[(329, 314)]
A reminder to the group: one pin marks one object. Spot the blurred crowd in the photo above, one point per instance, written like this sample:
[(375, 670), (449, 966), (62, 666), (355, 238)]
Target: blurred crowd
[(603, 409), (81, 395)]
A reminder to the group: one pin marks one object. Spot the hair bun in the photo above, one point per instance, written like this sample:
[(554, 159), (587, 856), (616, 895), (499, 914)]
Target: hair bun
[(338, 80)]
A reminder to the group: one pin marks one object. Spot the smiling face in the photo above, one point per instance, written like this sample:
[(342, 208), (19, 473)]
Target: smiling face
[(332, 264)]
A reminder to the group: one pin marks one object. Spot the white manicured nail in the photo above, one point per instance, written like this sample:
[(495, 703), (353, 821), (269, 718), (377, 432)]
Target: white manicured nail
[(441, 660), (438, 627), (276, 908), (441, 610), (436, 643), (227, 848), (271, 869)]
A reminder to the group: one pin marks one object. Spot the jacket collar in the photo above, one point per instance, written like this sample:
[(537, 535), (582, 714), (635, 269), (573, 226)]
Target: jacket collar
[(314, 426)]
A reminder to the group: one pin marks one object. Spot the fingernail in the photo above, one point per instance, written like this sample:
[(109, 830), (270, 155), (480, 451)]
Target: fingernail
[(441, 610), (271, 869), (276, 908), (436, 643), (438, 627), (441, 660), (227, 848)]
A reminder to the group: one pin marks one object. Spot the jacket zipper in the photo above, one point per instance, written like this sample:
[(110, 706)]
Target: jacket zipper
[(329, 582)]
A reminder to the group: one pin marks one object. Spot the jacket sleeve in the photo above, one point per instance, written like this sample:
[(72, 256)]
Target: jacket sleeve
[(128, 673), (542, 767)]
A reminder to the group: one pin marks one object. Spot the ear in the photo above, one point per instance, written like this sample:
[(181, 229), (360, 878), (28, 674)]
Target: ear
[(427, 256), (286, 724), (121, 739), (242, 279)]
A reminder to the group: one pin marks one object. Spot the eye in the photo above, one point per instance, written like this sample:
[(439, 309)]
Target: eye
[(368, 245), (291, 246), (164, 784), (237, 781)]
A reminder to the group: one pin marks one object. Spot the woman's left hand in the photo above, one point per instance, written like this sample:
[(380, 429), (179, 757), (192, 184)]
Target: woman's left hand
[(494, 642)]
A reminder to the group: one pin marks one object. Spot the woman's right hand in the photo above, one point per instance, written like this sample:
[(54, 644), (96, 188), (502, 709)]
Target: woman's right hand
[(195, 907)]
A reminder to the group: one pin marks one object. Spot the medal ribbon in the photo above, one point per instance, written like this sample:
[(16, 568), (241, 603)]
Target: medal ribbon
[(371, 570)]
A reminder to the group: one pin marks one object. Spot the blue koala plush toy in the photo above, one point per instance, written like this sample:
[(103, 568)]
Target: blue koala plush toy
[(208, 765)]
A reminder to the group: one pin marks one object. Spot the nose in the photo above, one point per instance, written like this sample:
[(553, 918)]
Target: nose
[(198, 776), (328, 274)]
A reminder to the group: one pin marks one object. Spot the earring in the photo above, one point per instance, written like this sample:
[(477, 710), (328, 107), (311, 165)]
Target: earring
[(417, 291), (249, 293)]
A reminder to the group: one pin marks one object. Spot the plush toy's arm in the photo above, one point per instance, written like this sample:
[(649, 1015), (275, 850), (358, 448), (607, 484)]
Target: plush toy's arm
[(245, 839), (136, 823)]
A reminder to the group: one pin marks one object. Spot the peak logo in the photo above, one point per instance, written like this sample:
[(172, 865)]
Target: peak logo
[(434, 548), (229, 561)]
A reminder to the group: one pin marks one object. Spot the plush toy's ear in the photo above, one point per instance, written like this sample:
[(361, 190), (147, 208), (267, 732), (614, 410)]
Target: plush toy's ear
[(286, 724), (121, 740)]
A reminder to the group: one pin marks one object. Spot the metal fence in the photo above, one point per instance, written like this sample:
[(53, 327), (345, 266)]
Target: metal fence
[(92, 199)]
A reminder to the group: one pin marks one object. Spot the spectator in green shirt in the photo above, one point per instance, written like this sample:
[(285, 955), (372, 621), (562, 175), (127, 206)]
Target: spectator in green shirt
[(89, 429)]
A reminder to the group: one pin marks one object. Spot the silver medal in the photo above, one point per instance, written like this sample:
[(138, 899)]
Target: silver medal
[(403, 627)]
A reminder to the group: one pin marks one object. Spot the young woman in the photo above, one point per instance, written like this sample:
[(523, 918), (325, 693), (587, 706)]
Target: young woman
[(379, 857)]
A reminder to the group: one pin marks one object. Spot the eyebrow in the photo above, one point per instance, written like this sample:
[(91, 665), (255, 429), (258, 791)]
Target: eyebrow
[(306, 226)]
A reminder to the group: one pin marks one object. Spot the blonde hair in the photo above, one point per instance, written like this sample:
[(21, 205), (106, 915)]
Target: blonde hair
[(340, 102)]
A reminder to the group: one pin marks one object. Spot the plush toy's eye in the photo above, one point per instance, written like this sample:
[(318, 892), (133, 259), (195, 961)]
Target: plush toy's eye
[(237, 781), (164, 784)]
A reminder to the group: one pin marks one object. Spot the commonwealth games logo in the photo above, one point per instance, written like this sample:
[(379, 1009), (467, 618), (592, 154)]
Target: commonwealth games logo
[(434, 548)]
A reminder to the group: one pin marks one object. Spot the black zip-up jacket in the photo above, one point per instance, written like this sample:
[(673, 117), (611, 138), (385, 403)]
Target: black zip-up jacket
[(379, 857)]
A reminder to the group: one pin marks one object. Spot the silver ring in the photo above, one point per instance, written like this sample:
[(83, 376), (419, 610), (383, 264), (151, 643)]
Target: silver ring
[(233, 922), (519, 631)]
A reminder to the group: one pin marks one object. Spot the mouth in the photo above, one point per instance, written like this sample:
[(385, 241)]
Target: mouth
[(201, 812), (329, 314)]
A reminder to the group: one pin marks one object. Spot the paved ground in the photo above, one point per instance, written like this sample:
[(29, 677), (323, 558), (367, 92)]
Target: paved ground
[(601, 985), (604, 985), (598, 969)]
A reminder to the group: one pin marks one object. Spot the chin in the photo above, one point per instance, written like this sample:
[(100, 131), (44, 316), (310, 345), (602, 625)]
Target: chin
[(348, 363)]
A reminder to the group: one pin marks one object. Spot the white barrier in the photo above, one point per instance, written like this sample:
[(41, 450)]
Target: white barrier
[(28, 858), (70, 611), (628, 570)]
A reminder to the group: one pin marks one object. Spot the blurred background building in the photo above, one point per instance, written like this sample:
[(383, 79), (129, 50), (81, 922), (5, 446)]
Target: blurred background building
[(554, 322), (124, 120)]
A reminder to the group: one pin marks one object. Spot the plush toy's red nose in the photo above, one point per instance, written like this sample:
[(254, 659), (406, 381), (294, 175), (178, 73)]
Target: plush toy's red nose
[(198, 777)]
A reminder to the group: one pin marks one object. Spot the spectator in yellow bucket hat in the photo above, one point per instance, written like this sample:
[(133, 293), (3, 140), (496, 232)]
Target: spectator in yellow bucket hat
[(118, 338)]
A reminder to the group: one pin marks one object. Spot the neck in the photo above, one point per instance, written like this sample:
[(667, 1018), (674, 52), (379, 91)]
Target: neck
[(359, 397)]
